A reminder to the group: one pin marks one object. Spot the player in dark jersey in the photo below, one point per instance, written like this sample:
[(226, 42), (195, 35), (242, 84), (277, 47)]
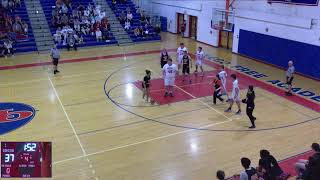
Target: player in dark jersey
[(146, 85), (164, 57), (186, 65), (217, 90)]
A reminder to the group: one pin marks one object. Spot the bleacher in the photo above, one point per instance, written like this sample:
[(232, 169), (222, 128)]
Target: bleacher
[(88, 40), (24, 43), (135, 21)]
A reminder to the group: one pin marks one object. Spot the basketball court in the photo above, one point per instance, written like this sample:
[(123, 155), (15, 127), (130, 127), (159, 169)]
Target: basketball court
[(101, 128)]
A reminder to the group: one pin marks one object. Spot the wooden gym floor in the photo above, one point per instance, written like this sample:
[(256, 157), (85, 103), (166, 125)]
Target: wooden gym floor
[(101, 129)]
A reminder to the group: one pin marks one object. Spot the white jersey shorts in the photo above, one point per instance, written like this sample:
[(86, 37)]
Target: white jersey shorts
[(169, 81)]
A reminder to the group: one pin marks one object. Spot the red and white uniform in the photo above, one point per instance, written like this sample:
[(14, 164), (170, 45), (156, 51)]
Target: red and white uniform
[(169, 74), (199, 58)]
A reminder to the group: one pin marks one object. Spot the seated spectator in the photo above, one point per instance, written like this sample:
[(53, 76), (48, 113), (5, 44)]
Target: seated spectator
[(64, 20), (64, 9), (98, 35), (5, 4), (71, 42), (11, 5), (76, 24), (2, 50), (143, 18), (127, 25), (85, 29), (137, 32), (58, 36), (141, 31), (129, 16), (268, 166), (157, 29), (301, 165), (8, 49), (105, 35), (17, 3), (3, 35), (220, 175), (312, 171), (113, 4), (122, 17), (249, 172)]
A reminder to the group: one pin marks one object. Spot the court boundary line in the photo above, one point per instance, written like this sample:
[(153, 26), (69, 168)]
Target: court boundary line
[(67, 116)]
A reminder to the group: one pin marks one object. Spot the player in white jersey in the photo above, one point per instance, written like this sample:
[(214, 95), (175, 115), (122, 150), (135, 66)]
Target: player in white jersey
[(180, 53), (199, 60), (223, 77), (169, 75), (235, 96)]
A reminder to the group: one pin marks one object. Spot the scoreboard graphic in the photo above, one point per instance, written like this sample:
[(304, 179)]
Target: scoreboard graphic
[(26, 159), (297, 2)]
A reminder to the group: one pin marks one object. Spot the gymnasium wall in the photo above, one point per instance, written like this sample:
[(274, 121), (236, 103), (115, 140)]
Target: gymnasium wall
[(277, 33), (201, 9)]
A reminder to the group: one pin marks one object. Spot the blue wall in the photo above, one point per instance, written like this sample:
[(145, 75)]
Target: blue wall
[(279, 51)]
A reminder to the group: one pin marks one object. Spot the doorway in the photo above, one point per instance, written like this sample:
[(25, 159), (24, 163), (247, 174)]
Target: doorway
[(226, 39), (193, 23)]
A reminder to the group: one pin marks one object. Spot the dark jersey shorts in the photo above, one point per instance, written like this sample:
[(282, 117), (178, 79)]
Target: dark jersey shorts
[(289, 80), (55, 61), (146, 81), (185, 69)]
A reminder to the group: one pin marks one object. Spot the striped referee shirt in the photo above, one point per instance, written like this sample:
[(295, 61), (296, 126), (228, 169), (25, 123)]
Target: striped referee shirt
[(55, 53)]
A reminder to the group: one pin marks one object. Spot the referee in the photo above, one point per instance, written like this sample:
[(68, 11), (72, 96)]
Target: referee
[(250, 105), (289, 77), (55, 55)]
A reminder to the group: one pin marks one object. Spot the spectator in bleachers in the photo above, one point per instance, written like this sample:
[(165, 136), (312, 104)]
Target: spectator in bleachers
[(143, 18), (127, 25), (136, 32), (301, 165), (25, 27), (141, 31), (312, 171), (71, 42), (129, 16), (5, 4), (113, 4), (98, 35), (17, 26), (8, 49), (11, 5), (105, 34), (64, 9), (123, 1), (64, 20), (58, 36), (122, 17), (268, 166), (157, 29)]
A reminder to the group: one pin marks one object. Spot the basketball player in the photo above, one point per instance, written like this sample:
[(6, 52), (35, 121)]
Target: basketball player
[(235, 97), (289, 77), (146, 85), (223, 78), (217, 90), (250, 105), (186, 65), (199, 59), (169, 75), (164, 56), (55, 56), (180, 53)]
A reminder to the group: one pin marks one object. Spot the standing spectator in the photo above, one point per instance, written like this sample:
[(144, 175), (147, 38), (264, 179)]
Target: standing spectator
[(289, 77), (269, 168), (183, 28), (250, 105), (8, 48), (98, 35), (55, 55), (129, 16)]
